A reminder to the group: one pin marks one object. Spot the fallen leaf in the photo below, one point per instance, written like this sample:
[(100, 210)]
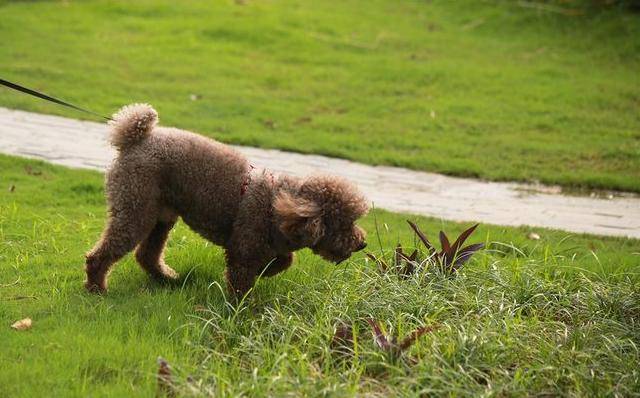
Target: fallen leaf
[(23, 324), (303, 119), (29, 170), (269, 123), (533, 236)]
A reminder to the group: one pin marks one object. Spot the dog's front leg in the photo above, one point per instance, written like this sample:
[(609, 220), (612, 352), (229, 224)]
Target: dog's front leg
[(242, 271), (278, 264), (239, 280)]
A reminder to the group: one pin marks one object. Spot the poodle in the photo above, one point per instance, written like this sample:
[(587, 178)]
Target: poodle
[(163, 173)]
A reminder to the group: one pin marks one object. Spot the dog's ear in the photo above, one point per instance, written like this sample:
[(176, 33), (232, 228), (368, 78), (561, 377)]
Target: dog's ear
[(299, 219)]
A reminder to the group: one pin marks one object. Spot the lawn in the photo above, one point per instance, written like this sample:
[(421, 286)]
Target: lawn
[(489, 89), (552, 316)]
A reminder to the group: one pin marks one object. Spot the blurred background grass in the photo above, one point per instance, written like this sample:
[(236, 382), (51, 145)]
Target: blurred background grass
[(554, 316), (504, 90)]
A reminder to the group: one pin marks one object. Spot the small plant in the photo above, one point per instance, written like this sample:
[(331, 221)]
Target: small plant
[(342, 343), (382, 265), (450, 258), (390, 344), (165, 379), (404, 264)]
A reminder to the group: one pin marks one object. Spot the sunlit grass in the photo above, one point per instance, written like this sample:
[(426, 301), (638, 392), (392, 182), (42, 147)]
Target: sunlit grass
[(485, 89), (552, 316)]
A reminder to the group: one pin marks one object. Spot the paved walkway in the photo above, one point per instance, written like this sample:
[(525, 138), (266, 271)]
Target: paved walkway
[(82, 144)]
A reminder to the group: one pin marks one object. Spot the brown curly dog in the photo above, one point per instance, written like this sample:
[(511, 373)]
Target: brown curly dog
[(162, 173)]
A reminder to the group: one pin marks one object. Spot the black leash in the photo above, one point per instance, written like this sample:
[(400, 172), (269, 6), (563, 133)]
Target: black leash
[(48, 98)]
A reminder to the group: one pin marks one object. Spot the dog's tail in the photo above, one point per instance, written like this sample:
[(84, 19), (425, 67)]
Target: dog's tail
[(132, 124)]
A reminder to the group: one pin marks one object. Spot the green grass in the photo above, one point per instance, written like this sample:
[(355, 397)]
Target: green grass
[(554, 316), (487, 89)]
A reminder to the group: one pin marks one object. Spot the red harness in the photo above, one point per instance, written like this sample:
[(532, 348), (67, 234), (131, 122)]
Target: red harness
[(247, 180)]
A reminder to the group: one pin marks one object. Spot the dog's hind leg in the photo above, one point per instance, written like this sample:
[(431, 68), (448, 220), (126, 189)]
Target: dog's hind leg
[(133, 213), (119, 238), (150, 252)]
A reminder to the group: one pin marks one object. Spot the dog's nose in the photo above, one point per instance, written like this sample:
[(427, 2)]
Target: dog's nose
[(362, 246)]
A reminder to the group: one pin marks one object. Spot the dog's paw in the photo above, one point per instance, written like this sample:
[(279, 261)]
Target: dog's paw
[(166, 273)]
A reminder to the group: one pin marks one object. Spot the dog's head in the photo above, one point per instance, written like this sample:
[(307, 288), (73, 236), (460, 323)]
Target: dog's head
[(321, 215)]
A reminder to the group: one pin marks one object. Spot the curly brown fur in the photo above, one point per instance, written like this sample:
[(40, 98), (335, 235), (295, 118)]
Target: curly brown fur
[(162, 173)]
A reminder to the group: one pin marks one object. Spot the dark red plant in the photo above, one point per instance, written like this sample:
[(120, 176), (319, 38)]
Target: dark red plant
[(382, 265), (390, 344), (342, 342), (404, 264), (165, 379), (451, 257)]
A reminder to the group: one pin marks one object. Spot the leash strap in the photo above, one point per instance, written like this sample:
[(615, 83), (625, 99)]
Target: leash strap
[(48, 98)]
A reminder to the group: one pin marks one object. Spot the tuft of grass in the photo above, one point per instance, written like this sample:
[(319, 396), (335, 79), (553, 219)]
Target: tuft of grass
[(555, 316), (487, 89)]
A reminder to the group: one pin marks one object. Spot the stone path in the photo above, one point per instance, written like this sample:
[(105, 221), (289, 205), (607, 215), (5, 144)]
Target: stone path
[(82, 144)]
